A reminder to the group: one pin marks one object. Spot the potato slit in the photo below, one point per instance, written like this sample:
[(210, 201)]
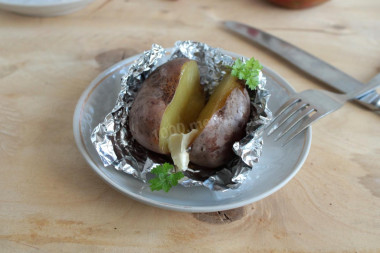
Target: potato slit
[(185, 106), (217, 100)]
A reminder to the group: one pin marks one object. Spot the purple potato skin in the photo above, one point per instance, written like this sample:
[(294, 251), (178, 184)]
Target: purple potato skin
[(213, 146), (150, 103)]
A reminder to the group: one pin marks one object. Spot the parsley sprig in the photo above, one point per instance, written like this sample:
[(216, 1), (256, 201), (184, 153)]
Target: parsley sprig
[(165, 178), (248, 71)]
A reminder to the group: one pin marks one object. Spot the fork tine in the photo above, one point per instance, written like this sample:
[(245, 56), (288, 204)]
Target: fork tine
[(285, 117), (294, 109), (285, 106), (295, 121), (304, 125)]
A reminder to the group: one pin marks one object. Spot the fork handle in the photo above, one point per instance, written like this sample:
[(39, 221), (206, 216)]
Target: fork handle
[(362, 91)]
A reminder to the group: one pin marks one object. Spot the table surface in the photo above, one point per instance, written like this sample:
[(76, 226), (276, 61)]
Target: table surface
[(52, 201)]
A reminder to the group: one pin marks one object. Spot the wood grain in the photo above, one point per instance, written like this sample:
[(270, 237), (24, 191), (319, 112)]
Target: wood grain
[(51, 201)]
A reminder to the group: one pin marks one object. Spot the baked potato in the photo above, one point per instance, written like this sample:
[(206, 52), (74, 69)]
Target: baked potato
[(221, 123), (169, 115), (168, 101)]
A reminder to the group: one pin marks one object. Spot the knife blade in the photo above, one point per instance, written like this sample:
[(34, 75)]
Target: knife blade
[(308, 63)]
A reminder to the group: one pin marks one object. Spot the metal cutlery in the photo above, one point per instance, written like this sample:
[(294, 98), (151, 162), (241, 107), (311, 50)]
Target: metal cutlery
[(307, 63), (306, 107)]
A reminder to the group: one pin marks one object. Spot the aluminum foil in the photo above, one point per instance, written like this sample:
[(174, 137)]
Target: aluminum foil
[(116, 146)]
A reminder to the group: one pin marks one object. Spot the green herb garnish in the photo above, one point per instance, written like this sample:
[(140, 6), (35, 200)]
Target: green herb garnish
[(165, 178), (248, 71)]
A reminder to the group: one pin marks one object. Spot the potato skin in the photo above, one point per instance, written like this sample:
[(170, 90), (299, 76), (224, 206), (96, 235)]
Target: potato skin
[(150, 103), (213, 146)]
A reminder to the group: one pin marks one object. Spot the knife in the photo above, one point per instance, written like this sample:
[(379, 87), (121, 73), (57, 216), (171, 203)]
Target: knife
[(308, 63)]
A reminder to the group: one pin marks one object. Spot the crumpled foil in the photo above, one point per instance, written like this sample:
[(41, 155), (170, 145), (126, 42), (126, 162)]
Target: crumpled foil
[(116, 146)]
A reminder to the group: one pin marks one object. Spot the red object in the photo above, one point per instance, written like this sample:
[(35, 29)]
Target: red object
[(297, 4)]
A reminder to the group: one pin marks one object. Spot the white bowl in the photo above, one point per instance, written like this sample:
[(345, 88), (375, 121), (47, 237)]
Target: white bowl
[(43, 7), (276, 167)]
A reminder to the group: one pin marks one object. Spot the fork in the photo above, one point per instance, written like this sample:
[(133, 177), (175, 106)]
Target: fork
[(306, 107)]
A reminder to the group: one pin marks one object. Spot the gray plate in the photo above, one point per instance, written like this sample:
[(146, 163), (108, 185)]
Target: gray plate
[(276, 167), (43, 8)]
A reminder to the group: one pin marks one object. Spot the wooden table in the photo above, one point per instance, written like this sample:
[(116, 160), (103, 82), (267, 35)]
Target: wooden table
[(51, 200)]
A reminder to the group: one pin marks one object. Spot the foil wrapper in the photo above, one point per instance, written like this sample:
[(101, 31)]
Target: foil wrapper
[(117, 147)]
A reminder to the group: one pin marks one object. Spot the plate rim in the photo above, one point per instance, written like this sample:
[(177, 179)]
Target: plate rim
[(41, 3), (159, 204)]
